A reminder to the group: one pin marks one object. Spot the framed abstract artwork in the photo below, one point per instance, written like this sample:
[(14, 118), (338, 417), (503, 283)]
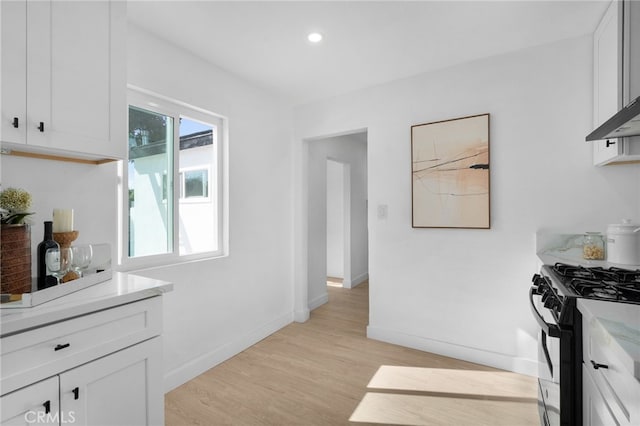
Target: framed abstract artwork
[(450, 173)]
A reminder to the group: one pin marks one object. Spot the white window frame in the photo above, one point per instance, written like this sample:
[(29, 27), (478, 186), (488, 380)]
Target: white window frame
[(154, 102)]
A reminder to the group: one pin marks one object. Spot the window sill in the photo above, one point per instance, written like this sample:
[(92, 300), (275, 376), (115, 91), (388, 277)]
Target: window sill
[(164, 261)]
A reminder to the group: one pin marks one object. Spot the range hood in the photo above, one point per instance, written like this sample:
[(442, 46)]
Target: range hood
[(625, 122)]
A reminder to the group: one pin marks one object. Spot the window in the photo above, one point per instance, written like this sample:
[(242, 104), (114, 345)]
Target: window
[(194, 184), (174, 180)]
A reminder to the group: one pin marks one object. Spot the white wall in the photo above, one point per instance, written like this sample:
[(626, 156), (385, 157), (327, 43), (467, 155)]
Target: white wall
[(148, 221), (199, 216), (335, 219), (463, 292), (90, 190), (351, 151), (219, 307)]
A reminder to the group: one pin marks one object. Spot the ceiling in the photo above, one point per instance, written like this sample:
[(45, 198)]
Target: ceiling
[(365, 43)]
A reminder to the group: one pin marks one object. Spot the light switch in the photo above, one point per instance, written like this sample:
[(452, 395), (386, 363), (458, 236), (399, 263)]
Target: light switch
[(382, 211)]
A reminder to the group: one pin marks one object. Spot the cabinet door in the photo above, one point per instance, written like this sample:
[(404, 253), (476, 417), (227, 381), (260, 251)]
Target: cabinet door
[(13, 73), (35, 404), (596, 411), (38, 72), (631, 70), (607, 79), (81, 100), (124, 388)]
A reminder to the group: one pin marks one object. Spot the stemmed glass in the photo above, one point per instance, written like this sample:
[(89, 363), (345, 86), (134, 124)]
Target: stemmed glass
[(82, 255), (58, 261)]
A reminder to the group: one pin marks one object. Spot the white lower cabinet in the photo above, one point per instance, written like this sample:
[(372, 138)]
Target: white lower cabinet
[(610, 390), (99, 369), (120, 389), (595, 410), (35, 404)]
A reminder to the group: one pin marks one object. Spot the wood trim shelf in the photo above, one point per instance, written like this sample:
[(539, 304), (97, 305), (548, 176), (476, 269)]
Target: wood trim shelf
[(56, 157)]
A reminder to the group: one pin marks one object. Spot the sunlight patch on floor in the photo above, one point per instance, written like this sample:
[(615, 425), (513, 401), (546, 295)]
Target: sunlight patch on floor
[(486, 384), (402, 409), (439, 396), (334, 282)]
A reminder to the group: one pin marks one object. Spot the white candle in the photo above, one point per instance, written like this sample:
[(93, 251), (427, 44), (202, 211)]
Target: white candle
[(62, 220)]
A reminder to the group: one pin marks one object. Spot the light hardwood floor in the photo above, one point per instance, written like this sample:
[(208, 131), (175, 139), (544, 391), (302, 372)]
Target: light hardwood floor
[(326, 372)]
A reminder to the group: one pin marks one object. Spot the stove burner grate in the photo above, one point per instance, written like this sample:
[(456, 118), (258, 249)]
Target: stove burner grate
[(607, 293), (606, 290), (614, 274)]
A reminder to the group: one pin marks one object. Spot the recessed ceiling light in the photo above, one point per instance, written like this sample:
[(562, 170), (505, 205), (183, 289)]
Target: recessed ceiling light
[(314, 37)]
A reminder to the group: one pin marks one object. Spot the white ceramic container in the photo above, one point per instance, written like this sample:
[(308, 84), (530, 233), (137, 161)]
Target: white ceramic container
[(623, 243)]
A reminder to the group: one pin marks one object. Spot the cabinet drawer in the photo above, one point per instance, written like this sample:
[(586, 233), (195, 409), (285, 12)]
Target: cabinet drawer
[(611, 376), (45, 351)]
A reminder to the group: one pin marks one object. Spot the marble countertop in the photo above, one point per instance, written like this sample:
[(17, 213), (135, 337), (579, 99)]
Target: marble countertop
[(567, 248), (122, 288), (620, 324)]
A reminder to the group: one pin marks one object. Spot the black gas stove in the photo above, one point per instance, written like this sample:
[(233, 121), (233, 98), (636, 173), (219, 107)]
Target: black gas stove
[(553, 298), (610, 284)]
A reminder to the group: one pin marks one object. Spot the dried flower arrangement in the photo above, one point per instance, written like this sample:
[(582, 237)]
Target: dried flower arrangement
[(14, 206)]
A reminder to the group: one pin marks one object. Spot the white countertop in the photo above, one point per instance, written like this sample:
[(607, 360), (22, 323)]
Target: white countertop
[(552, 248), (621, 325), (121, 289)]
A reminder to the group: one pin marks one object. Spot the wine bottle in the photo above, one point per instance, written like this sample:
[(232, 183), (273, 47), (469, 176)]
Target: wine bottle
[(44, 280)]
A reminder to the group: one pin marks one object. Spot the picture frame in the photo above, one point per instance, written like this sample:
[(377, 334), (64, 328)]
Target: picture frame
[(450, 170)]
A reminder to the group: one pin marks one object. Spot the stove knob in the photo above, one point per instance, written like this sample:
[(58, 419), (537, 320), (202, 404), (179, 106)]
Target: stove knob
[(545, 294), (538, 281), (549, 303)]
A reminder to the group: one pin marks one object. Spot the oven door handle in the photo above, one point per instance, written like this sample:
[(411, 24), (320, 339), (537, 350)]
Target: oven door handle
[(551, 330)]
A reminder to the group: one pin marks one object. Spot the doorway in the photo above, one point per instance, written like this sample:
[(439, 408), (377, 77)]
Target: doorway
[(336, 214)]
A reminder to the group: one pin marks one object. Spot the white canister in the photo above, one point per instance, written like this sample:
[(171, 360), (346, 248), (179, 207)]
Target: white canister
[(623, 243)]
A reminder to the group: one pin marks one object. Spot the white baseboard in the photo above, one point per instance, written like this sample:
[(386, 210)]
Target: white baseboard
[(301, 316), (199, 365), (359, 279), (356, 281), (318, 301), (478, 356)]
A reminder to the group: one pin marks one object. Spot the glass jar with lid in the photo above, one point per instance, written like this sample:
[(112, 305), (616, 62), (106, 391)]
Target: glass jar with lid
[(593, 246)]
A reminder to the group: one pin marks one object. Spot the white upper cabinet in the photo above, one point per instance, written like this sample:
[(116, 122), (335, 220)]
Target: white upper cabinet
[(615, 48), (13, 77), (607, 78), (64, 77)]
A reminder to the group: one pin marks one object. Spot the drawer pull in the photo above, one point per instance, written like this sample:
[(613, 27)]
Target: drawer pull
[(76, 393), (47, 407), (66, 345), (597, 366), (41, 126), (16, 122)]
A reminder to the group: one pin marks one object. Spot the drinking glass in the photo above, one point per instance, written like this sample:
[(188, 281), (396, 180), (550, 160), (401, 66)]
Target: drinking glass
[(58, 261), (82, 255)]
